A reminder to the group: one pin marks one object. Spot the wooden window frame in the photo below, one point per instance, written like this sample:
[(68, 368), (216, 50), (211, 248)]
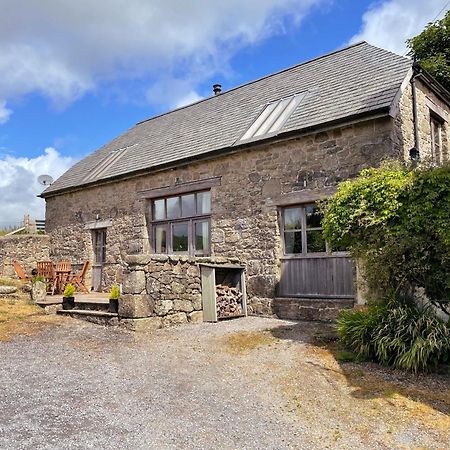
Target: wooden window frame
[(189, 220), (438, 156), (304, 230)]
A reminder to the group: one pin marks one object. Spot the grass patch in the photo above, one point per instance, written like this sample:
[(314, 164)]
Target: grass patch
[(6, 281), (245, 342), (20, 316)]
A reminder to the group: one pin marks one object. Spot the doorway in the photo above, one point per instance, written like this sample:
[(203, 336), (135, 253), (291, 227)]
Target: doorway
[(99, 244)]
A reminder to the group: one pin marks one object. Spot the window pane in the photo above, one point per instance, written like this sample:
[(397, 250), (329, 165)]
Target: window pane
[(158, 210), (188, 205), (313, 217), (202, 236), (204, 202), (173, 208), (315, 241), (292, 219), (160, 239), (180, 242), (293, 242)]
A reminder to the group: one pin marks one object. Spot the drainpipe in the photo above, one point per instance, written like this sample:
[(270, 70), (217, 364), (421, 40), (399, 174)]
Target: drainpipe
[(414, 153)]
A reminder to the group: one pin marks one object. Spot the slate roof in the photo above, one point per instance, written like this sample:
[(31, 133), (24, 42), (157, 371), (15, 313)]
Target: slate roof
[(359, 79)]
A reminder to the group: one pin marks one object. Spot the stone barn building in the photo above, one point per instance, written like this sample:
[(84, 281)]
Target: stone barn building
[(216, 200)]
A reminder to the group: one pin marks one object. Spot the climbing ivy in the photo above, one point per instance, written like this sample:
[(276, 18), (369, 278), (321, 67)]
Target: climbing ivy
[(396, 220)]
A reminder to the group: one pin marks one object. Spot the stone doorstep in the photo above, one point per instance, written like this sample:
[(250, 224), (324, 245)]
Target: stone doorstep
[(97, 317), (91, 305), (87, 312)]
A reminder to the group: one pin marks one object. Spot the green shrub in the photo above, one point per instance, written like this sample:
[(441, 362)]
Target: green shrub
[(396, 333), (36, 278), (69, 290), (356, 329), (115, 292), (397, 222)]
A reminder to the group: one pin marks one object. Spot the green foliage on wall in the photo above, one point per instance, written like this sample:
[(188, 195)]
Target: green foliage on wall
[(397, 222)]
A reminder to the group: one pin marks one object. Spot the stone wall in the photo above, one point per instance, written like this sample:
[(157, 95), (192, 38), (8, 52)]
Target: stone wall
[(25, 248), (404, 124), (163, 290), (245, 207)]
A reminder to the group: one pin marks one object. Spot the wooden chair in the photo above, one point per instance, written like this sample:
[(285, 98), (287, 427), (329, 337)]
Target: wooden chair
[(78, 278), (20, 272), (46, 269), (62, 273)]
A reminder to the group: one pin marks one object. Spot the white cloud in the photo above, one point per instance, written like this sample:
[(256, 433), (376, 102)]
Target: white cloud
[(388, 24), (19, 186), (5, 113), (190, 97), (64, 49)]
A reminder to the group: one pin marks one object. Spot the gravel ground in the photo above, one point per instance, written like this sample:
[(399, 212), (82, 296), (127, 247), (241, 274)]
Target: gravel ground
[(250, 383)]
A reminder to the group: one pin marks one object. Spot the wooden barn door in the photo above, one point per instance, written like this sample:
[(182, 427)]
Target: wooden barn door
[(321, 277), (99, 241)]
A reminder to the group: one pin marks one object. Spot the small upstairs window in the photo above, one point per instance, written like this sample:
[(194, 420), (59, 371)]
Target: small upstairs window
[(181, 224), (436, 139)]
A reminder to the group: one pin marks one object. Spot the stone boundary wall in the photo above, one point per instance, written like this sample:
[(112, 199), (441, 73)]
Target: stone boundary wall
[(25, 248), (162, 290)]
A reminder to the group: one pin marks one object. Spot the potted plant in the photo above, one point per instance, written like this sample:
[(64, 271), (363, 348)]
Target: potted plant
[(68, 296), (114, 299)]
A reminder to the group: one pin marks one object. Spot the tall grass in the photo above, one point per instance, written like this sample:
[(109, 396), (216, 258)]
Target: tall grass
[(397, 333)]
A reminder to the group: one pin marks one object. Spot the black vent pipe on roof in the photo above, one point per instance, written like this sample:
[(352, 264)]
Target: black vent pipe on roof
[(217, 88)]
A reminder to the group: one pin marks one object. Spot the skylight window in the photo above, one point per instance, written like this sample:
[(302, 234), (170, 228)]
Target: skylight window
[(105, 164), (273, 117)]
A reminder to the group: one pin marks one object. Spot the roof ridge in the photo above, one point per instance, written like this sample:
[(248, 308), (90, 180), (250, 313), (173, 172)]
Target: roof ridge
[(325, 55)]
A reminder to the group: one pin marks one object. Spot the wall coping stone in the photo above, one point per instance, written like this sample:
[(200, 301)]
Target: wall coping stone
[(144, 259), (14, 237)]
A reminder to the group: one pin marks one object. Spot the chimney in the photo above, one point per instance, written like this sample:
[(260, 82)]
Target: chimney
[(217, 88)]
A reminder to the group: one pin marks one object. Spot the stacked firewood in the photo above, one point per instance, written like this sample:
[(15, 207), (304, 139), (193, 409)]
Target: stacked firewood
[(228, 301)]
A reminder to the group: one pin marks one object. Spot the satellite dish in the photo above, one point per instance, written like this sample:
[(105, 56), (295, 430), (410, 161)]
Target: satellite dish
[(45, 180)]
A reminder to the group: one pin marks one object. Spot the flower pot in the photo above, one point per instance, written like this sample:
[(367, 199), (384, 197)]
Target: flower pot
[(113, 305), (68, 303)]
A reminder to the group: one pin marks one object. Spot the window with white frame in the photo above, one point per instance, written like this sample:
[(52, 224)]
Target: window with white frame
[(181, 224), (302, 231)]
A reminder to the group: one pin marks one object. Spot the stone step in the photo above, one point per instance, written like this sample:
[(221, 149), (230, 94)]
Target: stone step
[(92, 305), (99, 317), (314, 309)]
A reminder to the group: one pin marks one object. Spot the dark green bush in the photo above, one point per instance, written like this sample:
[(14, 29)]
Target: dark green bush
[(396, 221), (398, 333)]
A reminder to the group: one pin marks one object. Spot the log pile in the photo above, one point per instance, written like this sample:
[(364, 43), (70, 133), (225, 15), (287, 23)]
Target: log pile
[(228, 301)]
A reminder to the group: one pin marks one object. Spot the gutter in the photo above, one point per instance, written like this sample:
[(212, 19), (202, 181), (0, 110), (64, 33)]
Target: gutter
[(414, 153), (354, 118)]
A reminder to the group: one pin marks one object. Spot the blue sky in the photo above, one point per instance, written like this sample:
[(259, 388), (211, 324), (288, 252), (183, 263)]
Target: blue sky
[(75, 75)]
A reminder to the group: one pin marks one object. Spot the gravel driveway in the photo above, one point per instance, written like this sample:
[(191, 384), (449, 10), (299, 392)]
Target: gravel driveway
[(250, 383)]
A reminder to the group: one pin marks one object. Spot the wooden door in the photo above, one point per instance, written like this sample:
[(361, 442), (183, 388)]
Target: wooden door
[(99, 243), (322, 277)]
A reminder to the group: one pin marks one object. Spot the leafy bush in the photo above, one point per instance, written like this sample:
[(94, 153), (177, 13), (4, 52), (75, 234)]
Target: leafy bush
[(397, 222), (115, 292), (69, 290), (397, 333)]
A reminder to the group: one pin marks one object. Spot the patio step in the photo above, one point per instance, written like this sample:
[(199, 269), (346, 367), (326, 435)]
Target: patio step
[(92, 304), (314, 309), (99, 317)]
